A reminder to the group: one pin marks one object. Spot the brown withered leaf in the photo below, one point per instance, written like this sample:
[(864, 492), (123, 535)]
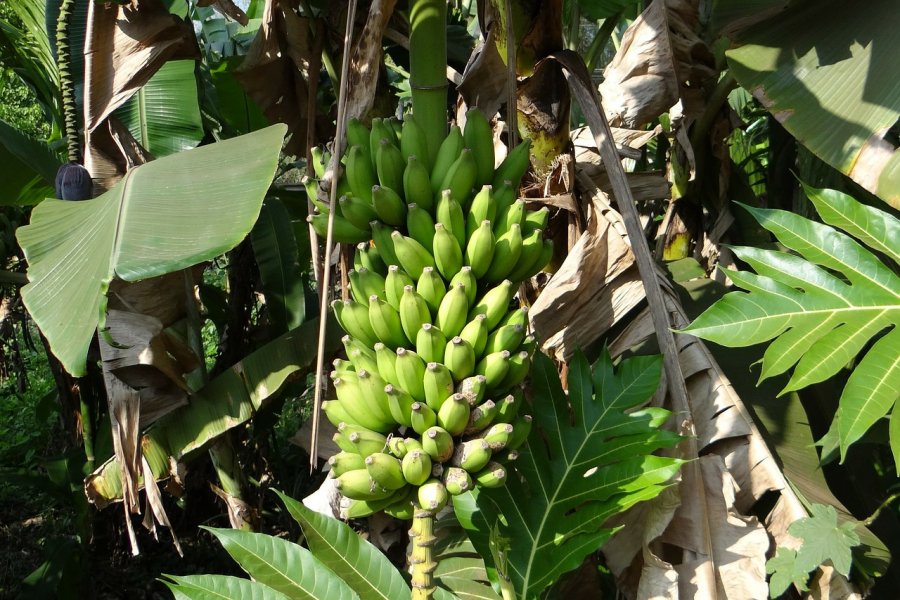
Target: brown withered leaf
[(483, 82), (366, 59)]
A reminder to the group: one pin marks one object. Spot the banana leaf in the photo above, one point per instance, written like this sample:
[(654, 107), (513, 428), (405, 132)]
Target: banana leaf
[(27, 165), (161, 217)]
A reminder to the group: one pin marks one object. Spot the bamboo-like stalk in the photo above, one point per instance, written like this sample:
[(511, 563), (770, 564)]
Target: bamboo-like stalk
[(422, 559), (428, 69)]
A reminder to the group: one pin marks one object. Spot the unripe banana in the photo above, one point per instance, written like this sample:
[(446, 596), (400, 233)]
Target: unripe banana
[(417, 184), (389, 166), (493, 475), (467, 278), (346, 461), (457, 481), (411, 255), (460, 178), (385, 471), (397, 446), (396, 127), (448, 213), (529, 345), (386, 359), (519, 366), (352, 345), (544, 260), (360, 174), (416, 467), (343, 442), (410, 373), (506, 254), (480, 249), (394, 283), (353, 318), (447, 154), (472, 455), (536, 220), (447, 253), (320, 160), (521, 430), (483, 208), (508, 408), (420, 225), (380, 130), (459, 356), (494, 303), (381, 235), (421, 417), (516, 317), (430, 343), (507, 337), (413, 313), (494, 367), (413, 142), (385, 322), (514, 165), (402, 509), (371, 386), (481, 416), (514, 213), (497, 436), (438, 384), (412, 444), (454, 414), (437, 443), (368, 442), (357, 135), (504, 195), (357, 211), (532, 248), (361, 360), (474, 388), (432, 288), (388, 205), (451, 314), (358, 509), (433, 495), (400, 404), (364, 283), (476, 333), (479, 137), (312, 192), (358, 485), (335, 412), (342, 231)]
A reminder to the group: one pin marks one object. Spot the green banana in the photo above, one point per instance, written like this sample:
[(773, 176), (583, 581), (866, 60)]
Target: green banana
[(353, 318), (335, 412), (514, 165), (506, 254), (507, 337), (365, 283), (453, 415), (519, 366), (367, 442), (343, 442), (371, 387), (521, 430), (459, 356), (394, 284), (481, 416), (437, 443), (397, 446), (385, 321), (460, 178), (451, 314), (400, 404), (474, 388), (380, 130), (352, 345), (457, 481), (472, 455), (504, 195), (389, 166), (494, 367), (433, 495), (438, 384), (343, 231), (476, 333), (357, 509), (413, 313), (346, 461), (369, 258), (480, 249), (497, 436), (410, 373), (432, 288), (447, 252), (358, 485), (385, 471), (516, 317), (412, 140), (320, 160), (508, 408), (389, 207), (494, 303), (514, 213), (536, 220), (312, 192), (417, 184), (396, 127), (357, 211), (421, 417), (361, 360), (483, 208), (479, 137), (386, 360), (493, 475), (402, 510), (420, 225), (532, 248), (381, 235), (416, 467), (529, 345), (430, 342), (412, 444), (447, 154), (448, 213), (358, 135), (411, 255), (467, 278), (360, 174)]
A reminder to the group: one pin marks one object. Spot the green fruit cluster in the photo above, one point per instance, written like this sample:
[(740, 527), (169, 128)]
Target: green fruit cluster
[(429, 399)]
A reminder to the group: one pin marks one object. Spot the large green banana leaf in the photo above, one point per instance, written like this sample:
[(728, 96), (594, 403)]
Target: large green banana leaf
[(825, 70), (161, 217), (581, 469), (823, 308)]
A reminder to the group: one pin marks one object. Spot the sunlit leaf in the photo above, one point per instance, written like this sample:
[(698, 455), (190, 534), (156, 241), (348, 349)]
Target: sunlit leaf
[(219, 587)]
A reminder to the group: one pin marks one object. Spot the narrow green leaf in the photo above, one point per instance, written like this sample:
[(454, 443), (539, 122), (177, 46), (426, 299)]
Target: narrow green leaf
[(366, 570), (283, 566), (26, 155), (219, 587)]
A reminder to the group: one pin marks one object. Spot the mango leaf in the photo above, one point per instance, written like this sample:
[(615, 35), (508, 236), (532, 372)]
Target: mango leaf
[(821, 62), (820, 321), (360, 564), (161, 217), (163, 115), (576, 471), (218, 587), (283, 566)]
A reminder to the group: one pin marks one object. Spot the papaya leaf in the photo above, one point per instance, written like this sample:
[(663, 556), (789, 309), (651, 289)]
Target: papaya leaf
[(576, 471), (821, 308), (361, 565), (219, 587), (282, 565), (785, 571)]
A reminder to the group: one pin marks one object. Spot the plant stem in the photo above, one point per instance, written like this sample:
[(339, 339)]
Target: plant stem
[(421, 558), (428, 69), (868, 522)]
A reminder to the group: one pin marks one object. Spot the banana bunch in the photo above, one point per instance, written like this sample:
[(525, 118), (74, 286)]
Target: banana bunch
[(429, 401)]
